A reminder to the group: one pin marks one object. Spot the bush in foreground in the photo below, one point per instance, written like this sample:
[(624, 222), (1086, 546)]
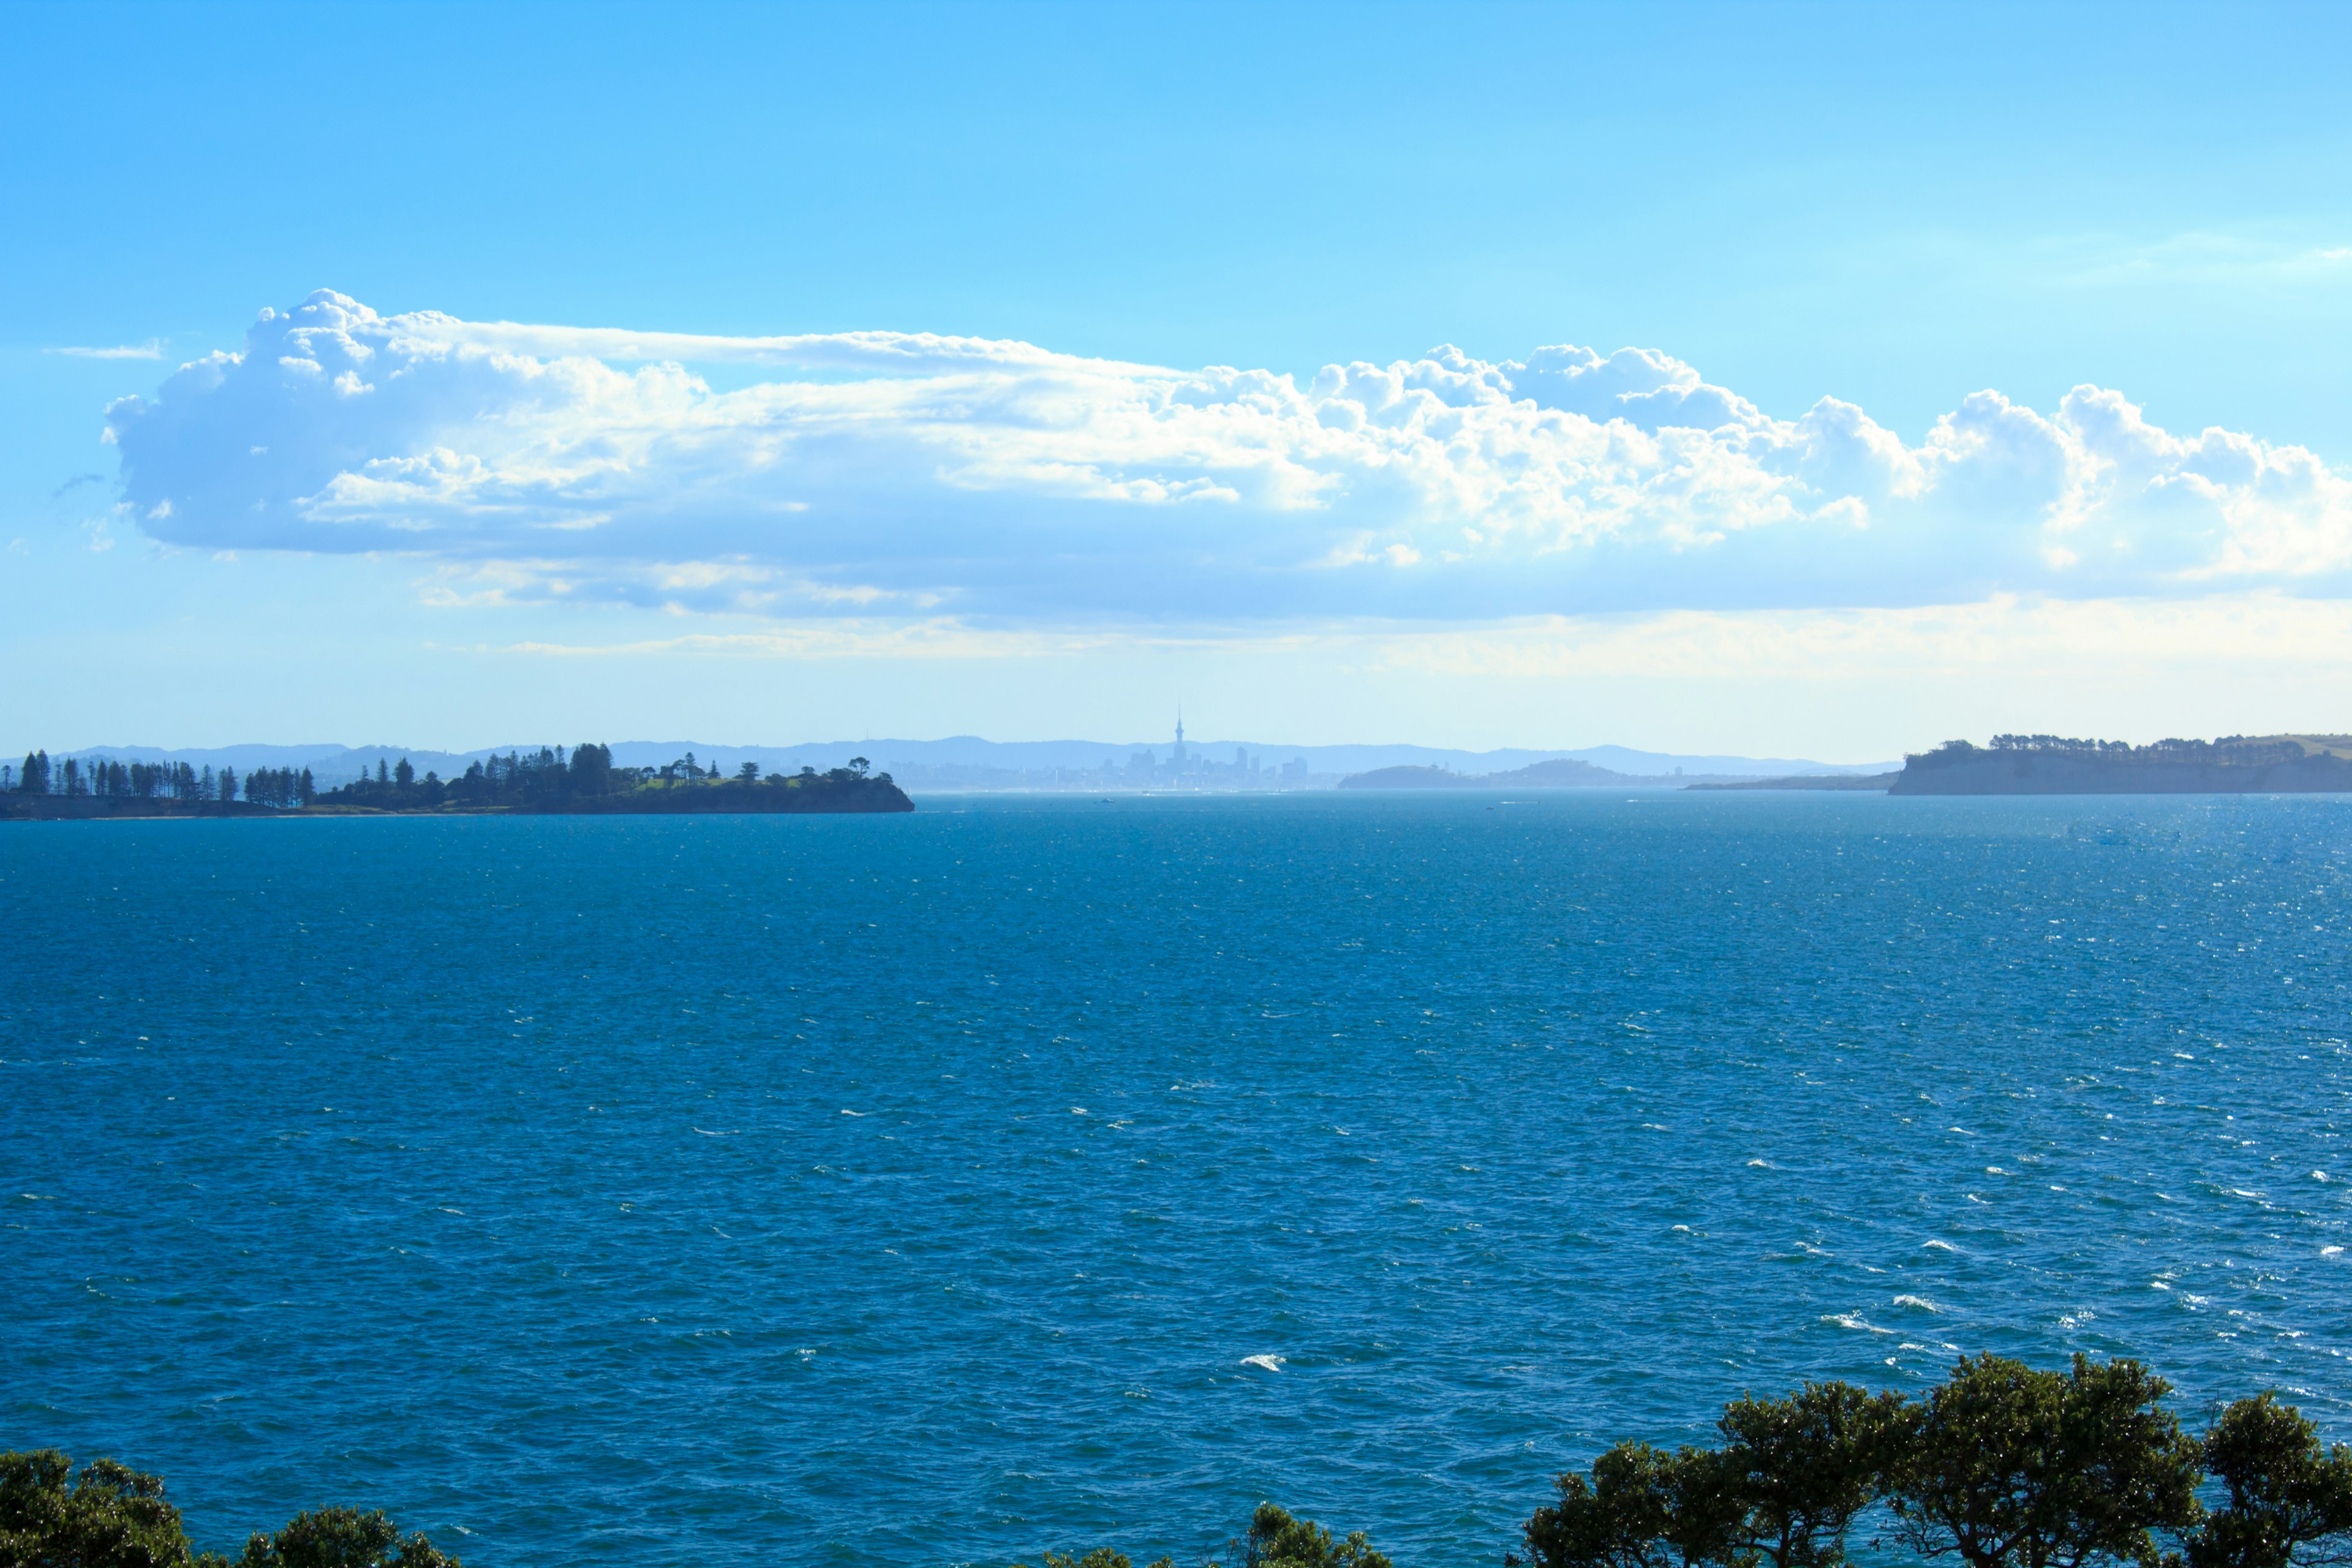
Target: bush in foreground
[(115, 1517), (2000, 1466)]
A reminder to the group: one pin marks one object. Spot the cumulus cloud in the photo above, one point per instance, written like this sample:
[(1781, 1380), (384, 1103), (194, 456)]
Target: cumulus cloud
[(917, 477)]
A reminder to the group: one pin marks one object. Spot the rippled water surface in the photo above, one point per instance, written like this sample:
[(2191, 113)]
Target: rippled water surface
[(1031, 1172)]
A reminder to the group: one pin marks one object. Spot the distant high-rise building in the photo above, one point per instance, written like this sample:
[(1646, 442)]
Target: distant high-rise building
[(1180, 739)]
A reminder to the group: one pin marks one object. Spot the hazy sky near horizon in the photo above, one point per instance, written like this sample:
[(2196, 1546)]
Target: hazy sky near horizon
[(1802, 379)]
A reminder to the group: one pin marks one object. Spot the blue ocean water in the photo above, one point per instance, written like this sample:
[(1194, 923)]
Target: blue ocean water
[(1035, 1173)]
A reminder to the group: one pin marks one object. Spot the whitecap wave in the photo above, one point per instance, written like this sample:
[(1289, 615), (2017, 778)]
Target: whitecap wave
[(1920, 1302), (1271, 1363)]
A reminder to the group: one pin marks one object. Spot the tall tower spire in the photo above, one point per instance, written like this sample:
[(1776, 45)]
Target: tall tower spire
[(1180, 734)]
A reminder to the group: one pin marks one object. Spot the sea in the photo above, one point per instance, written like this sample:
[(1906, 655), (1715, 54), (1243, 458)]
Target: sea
[(1033, 1173)]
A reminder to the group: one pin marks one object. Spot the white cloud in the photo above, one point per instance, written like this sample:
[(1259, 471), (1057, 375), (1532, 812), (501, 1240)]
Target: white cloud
[(910, 476), (151, 349)]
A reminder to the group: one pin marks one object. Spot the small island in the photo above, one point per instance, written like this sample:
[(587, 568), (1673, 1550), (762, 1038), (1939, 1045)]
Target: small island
[(2052, 765), (582, 782), (1558, 772)]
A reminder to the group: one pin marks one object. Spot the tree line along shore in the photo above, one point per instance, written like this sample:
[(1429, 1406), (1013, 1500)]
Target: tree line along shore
[(2057, 764), (583, 780), (2000, 1466)]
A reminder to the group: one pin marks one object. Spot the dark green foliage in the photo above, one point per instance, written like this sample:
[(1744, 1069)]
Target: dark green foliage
[(2285, 1492), (342, 1538), (1644, 1507), (113, 1516), (1275, 1539), (1101, 1557), (549, 781), (1796, 1471), (117, 1518), (2012, 1467), (592, 770), (280, 787), (2002, 1466)]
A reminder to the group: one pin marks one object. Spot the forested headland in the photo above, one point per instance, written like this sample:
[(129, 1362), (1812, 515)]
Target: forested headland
[(552, 779), (2000, 1466), (2057, 764)]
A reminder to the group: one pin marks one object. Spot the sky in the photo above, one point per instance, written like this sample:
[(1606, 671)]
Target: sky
[(1812, 380)]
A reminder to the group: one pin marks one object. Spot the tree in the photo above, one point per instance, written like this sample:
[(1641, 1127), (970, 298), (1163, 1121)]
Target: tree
[(309, 791), (1644, 1507), (1275, 1539), (1798, 1469), (342, 1538), (2287, 1492), (2012, 1467), (858, 765), (404, 775), (113, 1518), (749, 773), (1101, 1557), (592, 770)]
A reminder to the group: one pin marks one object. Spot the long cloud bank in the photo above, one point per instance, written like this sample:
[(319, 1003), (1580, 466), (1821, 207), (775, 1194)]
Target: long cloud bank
[(879, 474)]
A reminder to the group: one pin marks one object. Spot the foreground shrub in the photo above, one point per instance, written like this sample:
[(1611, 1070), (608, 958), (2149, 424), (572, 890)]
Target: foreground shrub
[(342, 1538), (2002, 1466), (2285, 1492), (115, 1517), (1273, 1540), (2012, 1467)]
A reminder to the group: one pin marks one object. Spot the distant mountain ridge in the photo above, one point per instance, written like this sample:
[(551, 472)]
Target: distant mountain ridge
[(978, 759), (1559, 773)]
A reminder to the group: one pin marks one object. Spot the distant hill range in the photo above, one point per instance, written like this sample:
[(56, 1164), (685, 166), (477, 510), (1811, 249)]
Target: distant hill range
[(2052, 765), (1559, 773), (969, 762)]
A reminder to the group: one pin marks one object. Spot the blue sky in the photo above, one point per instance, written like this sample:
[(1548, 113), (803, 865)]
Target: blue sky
[(744, 494)]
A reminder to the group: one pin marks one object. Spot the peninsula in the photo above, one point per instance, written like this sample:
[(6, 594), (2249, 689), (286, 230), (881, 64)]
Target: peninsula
[(2052, 765), (548, 782)]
